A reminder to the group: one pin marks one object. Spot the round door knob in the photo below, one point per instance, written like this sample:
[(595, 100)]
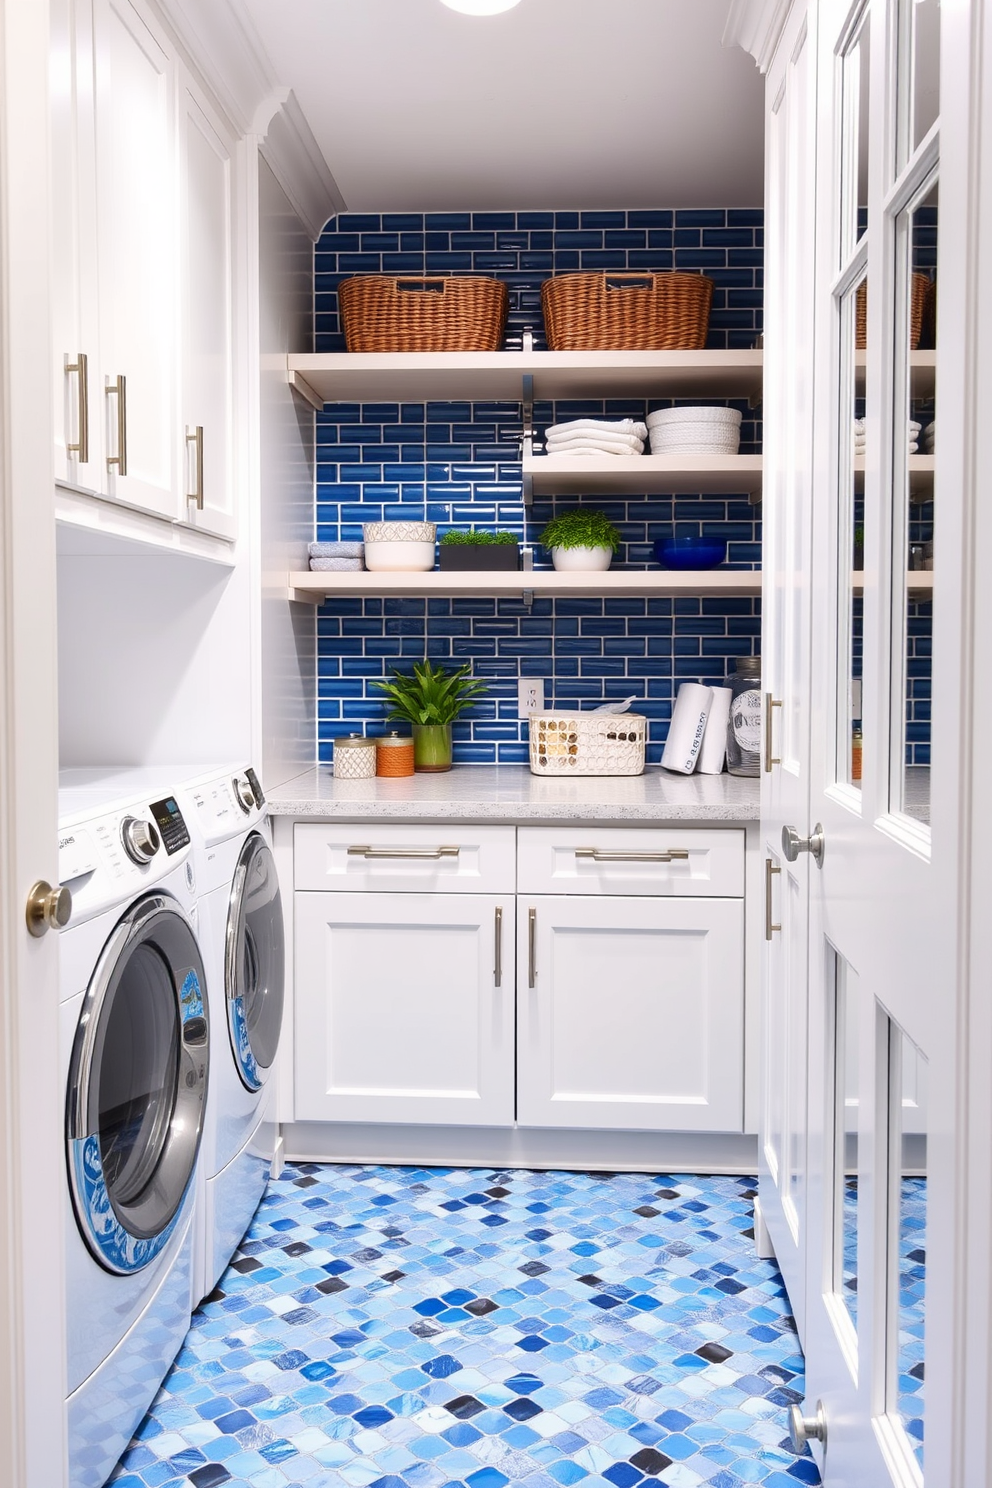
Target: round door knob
[(47, 908), (140, 838), (793, 844), (243, 793), (804, 1429)]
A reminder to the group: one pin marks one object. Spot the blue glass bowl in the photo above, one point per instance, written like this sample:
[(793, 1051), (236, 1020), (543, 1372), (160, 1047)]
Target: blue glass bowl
[(690, 552)]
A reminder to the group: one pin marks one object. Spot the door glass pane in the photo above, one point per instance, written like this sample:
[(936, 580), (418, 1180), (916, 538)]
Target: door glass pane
[(258, 963), (855, 77), (851, 517), (138, 1072), (914, 507), (920, 90), (907, 1229), (846, 1074)]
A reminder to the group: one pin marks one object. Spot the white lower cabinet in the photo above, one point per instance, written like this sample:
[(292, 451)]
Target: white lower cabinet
[(405, 1008), (630, 1013)]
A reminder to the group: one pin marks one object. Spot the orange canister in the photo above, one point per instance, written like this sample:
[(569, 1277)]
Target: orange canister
[(394, 755)]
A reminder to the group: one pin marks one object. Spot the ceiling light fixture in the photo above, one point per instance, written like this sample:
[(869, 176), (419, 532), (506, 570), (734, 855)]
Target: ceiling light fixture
[(480, 7)]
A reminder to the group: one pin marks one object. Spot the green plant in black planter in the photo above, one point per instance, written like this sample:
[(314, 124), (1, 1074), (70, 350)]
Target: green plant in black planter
[(581, 539), (430, 699), (461, 550)]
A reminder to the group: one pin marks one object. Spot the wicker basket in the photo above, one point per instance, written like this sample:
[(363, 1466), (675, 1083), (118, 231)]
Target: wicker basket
[(587, 743), (918, 298), (385, 312), (626, 312)]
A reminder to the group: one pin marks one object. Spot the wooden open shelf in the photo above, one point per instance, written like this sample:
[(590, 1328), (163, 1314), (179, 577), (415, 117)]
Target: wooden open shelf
[(627, 474), (922, 373), (469, 376), (542, 583), (920, 469)]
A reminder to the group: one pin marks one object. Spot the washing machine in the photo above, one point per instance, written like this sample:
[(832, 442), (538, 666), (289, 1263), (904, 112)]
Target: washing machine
[(242, 935), (135, 1053)]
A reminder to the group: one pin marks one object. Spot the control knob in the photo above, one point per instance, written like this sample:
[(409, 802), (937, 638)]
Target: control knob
[(243, 793), (140, 838)]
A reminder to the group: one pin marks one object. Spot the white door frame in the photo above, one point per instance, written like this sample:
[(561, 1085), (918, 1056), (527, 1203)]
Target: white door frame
[(32, 1389)]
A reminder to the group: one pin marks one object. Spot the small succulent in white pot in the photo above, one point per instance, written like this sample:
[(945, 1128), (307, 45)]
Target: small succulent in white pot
[(581, 540)]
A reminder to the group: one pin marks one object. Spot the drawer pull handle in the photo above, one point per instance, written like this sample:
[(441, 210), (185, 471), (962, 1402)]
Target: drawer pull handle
[(770, 871), (532, 947), (432, 853), (601, 855), (498, 964)]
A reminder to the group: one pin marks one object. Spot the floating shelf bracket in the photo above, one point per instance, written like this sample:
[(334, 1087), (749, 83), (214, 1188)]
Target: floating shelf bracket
[(527, 438)]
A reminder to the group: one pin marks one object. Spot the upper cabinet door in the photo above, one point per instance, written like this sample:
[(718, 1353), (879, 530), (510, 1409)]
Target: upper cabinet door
[(206, 432), (77, 417), (137, 227)]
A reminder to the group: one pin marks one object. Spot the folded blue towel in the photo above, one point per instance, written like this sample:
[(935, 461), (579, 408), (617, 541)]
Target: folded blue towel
[(337, 550)]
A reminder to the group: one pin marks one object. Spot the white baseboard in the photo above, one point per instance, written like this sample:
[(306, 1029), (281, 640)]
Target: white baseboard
[(519, 1147)]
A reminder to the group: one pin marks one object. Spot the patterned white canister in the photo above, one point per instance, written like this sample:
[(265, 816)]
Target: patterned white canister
[(354, 758)]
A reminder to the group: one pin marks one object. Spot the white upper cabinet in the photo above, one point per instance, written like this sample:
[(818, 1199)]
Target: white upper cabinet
[(143, 281), (136, 249), (206, 179)]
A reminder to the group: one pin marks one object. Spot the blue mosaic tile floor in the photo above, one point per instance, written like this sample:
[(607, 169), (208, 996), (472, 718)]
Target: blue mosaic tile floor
[(405, 1328)]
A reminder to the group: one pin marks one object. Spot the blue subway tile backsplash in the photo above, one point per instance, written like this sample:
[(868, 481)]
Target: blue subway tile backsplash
[(458, 464)]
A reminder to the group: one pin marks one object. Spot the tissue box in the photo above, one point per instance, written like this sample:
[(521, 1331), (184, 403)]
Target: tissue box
[(565, 743)]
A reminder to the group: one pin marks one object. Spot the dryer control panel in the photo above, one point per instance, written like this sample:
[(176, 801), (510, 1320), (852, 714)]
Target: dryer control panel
[(171, 824)]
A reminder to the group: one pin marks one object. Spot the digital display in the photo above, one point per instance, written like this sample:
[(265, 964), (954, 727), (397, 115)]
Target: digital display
[(171, 824)]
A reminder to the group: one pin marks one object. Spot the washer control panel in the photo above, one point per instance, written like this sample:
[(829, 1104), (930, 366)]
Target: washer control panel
[(141, 840), (171, 824)]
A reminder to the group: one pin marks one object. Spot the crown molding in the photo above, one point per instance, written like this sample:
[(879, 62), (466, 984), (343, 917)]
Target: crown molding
[(757, 25), (286, 143)]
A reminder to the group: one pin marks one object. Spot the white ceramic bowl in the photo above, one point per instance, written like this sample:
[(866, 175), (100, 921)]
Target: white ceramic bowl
[(399, 557), (581, 560)]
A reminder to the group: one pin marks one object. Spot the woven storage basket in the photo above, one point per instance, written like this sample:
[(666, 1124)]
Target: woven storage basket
[(385, 312), (587, 743), (918, 299), (626, 312)]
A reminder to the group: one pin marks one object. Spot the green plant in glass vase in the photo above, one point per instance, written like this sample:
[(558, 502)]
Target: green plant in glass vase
[(430, 699)]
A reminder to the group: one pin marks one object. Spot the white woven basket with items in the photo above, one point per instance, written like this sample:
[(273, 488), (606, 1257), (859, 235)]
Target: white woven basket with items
[(596, 743)]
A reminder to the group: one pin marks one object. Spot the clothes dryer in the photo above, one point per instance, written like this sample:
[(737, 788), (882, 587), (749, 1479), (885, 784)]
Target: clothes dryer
[(241, 929), (134, 1049)]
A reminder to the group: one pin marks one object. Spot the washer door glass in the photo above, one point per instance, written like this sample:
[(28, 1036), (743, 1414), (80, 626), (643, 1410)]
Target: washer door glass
[(137, 1083), (255, 962)]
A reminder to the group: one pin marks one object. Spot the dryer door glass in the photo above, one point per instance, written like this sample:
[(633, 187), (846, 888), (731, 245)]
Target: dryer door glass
[(255, 962), (138, 1073), (137, 1083)]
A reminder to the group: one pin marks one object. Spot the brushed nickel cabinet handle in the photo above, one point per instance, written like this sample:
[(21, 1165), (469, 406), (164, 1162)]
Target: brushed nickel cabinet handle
[(605, 855), (432, 853), (195, 438), (770, 759), (47, 908), (119, 389), (770, 871), (81, 369), (532, 947), (498, 932)]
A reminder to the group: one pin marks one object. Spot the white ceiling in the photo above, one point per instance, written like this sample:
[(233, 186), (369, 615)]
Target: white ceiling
[(558, 103)]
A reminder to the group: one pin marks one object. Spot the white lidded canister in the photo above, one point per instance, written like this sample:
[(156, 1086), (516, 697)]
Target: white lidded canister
[(354, 758)]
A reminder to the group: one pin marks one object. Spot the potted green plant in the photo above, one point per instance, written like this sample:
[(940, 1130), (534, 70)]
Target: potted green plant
[(581, 539), (430, 699), (461, 551)]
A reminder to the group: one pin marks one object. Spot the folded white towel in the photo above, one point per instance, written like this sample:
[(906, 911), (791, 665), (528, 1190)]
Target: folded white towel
[(599, 426), (595, 447), (561, 441), (337, 565)]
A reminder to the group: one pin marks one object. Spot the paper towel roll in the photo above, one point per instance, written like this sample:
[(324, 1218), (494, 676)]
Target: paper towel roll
[(713, 753), (685, 733)]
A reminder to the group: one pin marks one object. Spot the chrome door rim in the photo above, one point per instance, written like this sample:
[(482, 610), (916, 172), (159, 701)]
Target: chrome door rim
[(252, 1074), (126, 1238)]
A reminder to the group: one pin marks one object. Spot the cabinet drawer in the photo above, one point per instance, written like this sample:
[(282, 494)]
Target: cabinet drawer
[(631, 860), (402, 859)]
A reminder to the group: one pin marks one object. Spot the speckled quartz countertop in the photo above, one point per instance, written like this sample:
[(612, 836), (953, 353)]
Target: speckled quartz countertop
[(510, 793)]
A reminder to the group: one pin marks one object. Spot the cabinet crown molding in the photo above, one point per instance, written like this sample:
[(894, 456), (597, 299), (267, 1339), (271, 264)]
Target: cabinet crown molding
[(757, 25)]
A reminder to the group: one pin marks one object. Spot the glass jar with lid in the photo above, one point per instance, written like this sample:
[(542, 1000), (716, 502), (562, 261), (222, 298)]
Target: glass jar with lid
[(744, 726), (354, 758)]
